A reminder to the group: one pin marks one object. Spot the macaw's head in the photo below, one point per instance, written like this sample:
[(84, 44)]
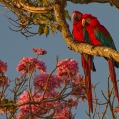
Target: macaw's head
[(76, 16)]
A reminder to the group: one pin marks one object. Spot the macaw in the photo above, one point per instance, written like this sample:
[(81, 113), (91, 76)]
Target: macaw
[(99, 35), (81, 35)]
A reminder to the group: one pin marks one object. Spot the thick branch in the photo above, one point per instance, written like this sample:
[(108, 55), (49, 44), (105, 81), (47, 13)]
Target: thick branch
[(112, 2), (115, 3), (88, 1), (35, 9), (82, 47)]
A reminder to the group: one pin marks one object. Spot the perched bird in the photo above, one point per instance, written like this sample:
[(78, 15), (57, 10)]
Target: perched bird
[(81, 35), (100, 36)]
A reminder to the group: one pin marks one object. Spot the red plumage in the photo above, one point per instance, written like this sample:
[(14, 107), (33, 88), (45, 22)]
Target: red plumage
[(86, 59), (94, 29), (113, 77)]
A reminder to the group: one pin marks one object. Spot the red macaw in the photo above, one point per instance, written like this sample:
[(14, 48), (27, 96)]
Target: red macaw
[(99, 35), (81, 35)]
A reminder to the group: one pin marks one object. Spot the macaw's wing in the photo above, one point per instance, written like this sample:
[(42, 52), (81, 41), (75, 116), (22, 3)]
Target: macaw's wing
[(104, 37), (86, 36), (87, 40)]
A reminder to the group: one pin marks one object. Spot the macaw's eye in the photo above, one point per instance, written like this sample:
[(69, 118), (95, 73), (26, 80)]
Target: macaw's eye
[(79, 16)]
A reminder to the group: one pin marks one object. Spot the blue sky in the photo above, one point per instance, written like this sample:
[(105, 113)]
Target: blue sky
[(14, 46)]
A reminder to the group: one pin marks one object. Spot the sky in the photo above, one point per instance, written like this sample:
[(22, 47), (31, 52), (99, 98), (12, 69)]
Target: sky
[(14, 46)]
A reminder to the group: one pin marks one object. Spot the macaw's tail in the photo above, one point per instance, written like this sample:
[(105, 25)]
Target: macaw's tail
[(116, 64), (92, 63), (86, 64), (113, 77)]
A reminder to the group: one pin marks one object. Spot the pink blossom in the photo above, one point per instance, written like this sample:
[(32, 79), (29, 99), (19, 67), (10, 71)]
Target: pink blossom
[(40, 65), (67, 67), (37, 109), (65, 114), (62, 107), (22, 116), (4, 80), (41, 80), (72, 102), (1, 112), (79, 80), (28, 65), (78, 86), (39, 51), (3, 67), (116, 110), (25, 109)]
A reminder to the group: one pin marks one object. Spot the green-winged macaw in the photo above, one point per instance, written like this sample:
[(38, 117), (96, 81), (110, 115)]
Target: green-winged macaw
[(81, 35), (100, 36)]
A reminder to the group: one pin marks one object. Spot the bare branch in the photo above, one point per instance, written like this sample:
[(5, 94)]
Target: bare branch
[(35, 9), (58, 27)]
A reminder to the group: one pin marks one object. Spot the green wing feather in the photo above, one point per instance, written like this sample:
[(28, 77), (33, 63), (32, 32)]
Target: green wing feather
[(105, 39), (86, 36)]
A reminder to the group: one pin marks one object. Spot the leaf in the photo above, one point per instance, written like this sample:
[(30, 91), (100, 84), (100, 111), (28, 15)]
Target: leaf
[(67, 15), (19, 18), (42, 16), (48, 16), (53, 18), (42, 25), (40, 1), (35, 16), (4, 101), (40, 31), (53, 30), (46, 30), (46, 2)]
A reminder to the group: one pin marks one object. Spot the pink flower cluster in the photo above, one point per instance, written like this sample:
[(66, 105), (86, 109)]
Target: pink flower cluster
[(54, 99), (3, 79), (20, 115), (39, 51), (40, 82), (28, 65), (64, 114), (1, 112), (78, 86), (61, 108), (3, 67), (25, 109), (67, 67), (116, 110), (72, 103)]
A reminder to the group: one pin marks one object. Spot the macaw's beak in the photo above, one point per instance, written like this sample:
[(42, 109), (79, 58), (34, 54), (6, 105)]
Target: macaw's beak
[(75, 17), (84, 23)]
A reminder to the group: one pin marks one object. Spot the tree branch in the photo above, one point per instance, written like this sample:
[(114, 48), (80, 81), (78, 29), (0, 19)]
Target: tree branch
[(56, 26), (88, 1), (35, 9), (81, 47), (112, 2), (115, 3)]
